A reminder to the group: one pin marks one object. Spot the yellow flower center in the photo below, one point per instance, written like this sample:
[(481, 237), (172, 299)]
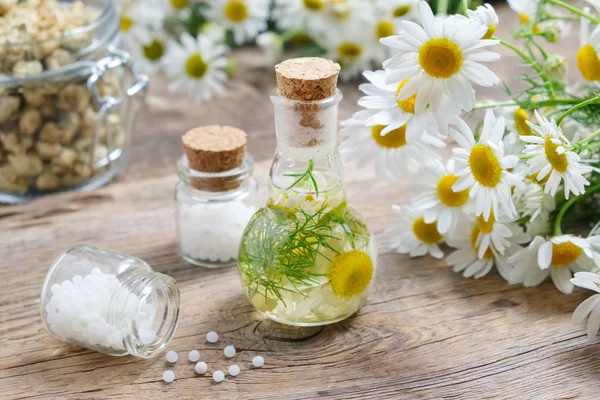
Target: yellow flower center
[(195, 66), (301, 38), (490, 32), (408, 104), (350, 273), (384, 29), (485, 166), (393, 140), (179, 4), (126, 23), (440, 58), (154, 51), (341, 10), (236, 10), (314, 5), (521, 119), (426, 233), (524, 18), (589, 65), (565, 253), (448, 196), (486, 226), (349, 50), (401, 11), (474, 236), (557, 161)]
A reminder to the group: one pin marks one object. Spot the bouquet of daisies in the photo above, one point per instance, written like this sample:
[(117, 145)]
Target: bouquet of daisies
[(518, 191), (190, 40)]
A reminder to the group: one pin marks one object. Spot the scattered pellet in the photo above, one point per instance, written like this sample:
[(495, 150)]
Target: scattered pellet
[(258, 361), (212, 337), (234, 370), (218, 376), (201, 368), (172, 356), (229, 351), (194, 356), (168, 376)]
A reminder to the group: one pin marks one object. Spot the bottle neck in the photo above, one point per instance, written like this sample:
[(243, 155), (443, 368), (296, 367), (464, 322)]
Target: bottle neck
[(146, 307), (307, 160)]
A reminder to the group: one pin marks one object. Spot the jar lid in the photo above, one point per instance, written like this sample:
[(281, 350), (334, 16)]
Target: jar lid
[(215, 149)]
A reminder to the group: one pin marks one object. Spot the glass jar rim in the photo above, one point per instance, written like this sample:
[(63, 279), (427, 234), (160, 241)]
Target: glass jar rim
[(278, 99), (107, 9), (185, 172)]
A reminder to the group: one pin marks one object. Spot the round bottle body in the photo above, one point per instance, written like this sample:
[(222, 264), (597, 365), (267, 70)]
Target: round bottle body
[(309, 265)]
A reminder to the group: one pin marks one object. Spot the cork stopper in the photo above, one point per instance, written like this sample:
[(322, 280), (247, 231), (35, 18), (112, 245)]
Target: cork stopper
[(307, 79), (215, 149)]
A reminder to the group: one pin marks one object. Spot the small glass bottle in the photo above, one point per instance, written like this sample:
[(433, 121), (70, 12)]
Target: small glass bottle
[(109, 302), (216, 195), (307, 258)]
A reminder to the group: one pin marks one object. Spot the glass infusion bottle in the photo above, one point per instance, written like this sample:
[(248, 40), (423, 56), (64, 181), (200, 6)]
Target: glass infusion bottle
[(307, 258)]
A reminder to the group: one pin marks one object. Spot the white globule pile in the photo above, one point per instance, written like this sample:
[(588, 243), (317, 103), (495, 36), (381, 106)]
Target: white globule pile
[(78, 312), (212, 232)]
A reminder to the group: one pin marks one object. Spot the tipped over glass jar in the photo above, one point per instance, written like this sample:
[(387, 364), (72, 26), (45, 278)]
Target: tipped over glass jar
[(307, 258), (67, 97), (109, 302)]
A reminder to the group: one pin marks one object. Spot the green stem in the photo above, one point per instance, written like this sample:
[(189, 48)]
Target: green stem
[(588, 139), (465, 6), (289, 35), (442, 8), (568, 204), (577, 107), (574, 10), (532, 105)]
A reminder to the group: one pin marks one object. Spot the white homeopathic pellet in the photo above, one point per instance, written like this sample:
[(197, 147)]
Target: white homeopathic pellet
[(172, 356), (194, 356), (201, 368), (229, 351), (258, 361), (218, 376), (168, 376), (234, 370), (212, 337)]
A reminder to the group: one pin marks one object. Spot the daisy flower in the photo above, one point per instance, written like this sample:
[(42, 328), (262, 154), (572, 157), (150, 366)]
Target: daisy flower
[(292, 14), (591, 306), (245, 18), (483, 168), (471, 261), (351, 48), (558, 258), (526, 9), (550, 156), (387, 110), (271, 45), (443, 56), (485, 15), (138, 19), (531, 201), (148, 53), (196, 66), (397, 10), (497, 234), (413, 235), (587, 56), (436, 199), (516, 119), (391, 153)]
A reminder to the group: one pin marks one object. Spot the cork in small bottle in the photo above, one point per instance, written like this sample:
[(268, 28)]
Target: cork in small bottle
[(307, 79), (214, 149)]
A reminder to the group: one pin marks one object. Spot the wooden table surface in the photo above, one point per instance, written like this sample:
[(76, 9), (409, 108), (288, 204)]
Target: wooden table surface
[(425, 332)]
